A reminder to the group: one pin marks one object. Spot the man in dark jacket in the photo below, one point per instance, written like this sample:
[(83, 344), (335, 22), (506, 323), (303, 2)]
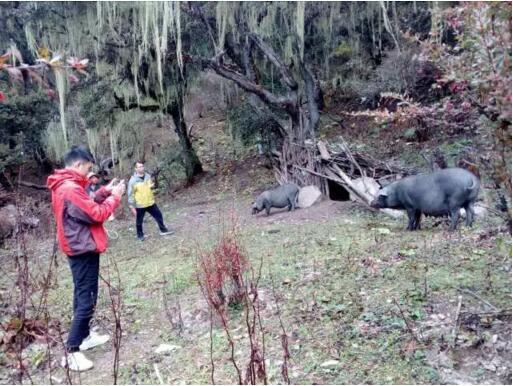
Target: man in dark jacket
[(93, 184), (82, 238)]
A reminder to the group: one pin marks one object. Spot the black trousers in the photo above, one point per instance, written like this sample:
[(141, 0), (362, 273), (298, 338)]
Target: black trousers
[(85, 269), (155, 213)]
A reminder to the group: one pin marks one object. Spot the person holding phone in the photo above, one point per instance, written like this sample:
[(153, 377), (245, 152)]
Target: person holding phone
[(79, 219)]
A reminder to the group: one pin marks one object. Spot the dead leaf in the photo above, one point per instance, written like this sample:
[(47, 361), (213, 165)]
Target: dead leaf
[(15, 74), (36, 78), (410, 347), (72, 78), (51, 93), (56, 60), (5, 57), (43, 53)]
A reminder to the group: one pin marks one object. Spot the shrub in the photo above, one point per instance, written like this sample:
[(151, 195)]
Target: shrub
[(251, 127), (22, 121)]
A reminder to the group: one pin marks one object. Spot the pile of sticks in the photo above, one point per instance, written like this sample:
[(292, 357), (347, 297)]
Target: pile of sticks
[(321, 162)]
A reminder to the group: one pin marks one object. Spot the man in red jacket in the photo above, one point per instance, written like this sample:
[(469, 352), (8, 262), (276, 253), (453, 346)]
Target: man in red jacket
[(82, 238)]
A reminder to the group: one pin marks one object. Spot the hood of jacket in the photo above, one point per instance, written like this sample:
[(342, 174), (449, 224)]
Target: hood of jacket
[(62, 175)]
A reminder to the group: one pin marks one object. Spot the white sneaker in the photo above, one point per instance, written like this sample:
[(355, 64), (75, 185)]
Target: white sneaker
[(93, 340), (76, 361)]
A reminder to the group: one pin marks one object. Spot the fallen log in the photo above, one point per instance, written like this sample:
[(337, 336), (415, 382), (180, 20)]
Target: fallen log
[(323, 150), (32, 185)]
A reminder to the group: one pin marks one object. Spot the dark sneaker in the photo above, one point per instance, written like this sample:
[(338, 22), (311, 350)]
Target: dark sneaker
[(140, 238), (166, 232)]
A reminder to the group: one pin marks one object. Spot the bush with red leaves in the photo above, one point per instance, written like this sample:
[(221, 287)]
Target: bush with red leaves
[(221, 272)]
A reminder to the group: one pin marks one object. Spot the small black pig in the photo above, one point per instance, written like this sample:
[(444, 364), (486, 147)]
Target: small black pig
[(280, 197)]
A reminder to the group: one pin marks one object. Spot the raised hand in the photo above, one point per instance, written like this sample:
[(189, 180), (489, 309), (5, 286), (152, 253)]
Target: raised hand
[(119, 189), (111, 184)]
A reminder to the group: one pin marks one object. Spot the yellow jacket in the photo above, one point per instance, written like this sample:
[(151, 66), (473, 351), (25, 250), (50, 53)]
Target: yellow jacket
[(140, 194)]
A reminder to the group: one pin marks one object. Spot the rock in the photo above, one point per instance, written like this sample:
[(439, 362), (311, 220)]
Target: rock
[(308, 196), (330, 363), (56, 380), (479, 211), (445, 361), (393, 212), (367, 185), (9, 221), (164, 348)]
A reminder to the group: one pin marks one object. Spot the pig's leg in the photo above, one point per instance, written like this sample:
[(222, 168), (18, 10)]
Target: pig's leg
[(418, 215), (455, 216), (411, 219), (469, 210), (267, 208)]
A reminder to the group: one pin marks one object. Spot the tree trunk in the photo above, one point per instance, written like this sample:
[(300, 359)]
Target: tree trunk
[(190, 158)]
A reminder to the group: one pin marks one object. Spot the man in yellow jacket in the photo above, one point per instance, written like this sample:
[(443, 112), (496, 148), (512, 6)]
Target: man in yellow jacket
[(141, 200)]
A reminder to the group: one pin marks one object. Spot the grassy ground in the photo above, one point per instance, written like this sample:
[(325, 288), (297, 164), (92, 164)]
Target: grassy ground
[(362, 300)]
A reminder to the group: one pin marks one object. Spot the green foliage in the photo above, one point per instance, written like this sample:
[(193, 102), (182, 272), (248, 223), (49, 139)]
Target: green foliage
[(172, 166), (22, 121), (96, 104), (250, 127), (342, 53)]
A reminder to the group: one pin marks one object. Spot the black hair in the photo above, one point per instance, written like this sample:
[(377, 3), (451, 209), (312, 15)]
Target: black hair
[(77, 153), (138, 162)]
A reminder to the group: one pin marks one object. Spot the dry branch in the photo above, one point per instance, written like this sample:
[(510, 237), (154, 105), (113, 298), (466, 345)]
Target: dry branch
[(321, 162)]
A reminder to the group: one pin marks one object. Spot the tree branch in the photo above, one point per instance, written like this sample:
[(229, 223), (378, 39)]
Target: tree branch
[(286, 76), (242, 81), (121, 103)]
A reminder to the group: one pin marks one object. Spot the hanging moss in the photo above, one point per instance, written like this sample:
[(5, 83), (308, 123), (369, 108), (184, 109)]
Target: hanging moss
[(30, 38), (54, 142), (158, 50), (178, 35), (222, 9), (300, 27), (386, 23), (61, 83), (93, 141)]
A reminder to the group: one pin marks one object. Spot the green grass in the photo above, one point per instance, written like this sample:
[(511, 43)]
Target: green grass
[(337, 281)]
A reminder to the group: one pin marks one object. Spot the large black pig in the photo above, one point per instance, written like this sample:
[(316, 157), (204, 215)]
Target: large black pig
[(440, 193)]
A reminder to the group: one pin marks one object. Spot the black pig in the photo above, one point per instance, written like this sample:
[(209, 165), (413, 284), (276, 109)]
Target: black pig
[(280, 197), (439, 193)]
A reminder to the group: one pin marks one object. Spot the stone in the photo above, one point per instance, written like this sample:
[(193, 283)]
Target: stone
[(330, 363), (308, 196), (164, 348), (479, 211)]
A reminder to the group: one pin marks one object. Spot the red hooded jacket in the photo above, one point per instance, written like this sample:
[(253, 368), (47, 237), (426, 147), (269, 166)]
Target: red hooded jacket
[(79, 218)]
